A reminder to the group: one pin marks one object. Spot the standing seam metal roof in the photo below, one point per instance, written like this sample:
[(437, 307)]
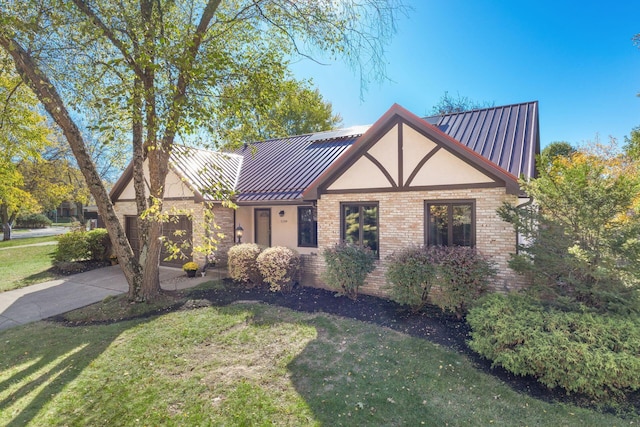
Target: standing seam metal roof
[(507, 135), (207, 171), (282, 169)]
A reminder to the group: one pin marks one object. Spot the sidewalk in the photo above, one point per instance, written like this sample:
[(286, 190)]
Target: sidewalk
[(47, 299)]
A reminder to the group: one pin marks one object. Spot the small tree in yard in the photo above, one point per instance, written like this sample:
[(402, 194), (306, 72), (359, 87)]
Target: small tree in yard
[(582, 230), (347, 267)]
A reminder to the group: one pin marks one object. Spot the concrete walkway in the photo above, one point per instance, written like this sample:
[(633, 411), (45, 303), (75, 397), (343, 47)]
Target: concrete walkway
[(37, 302)]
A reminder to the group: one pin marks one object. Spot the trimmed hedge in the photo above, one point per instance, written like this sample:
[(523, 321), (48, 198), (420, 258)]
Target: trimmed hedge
[(460, 274), (72, 246), (279, 267), (242, 263), (98, 244), (347, 267), (33, 221), (80, 245), (580, 351)]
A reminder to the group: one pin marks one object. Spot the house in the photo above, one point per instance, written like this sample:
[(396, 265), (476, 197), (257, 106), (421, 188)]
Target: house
[(402, 181)]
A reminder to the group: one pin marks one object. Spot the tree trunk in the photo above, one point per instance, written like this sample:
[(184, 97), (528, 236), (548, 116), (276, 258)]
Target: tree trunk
[(6, 222), (80, 212), (151, 280), (6, 231), (49, 97)]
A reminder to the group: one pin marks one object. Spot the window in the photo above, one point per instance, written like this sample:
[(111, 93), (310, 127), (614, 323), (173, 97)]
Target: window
[(451, 223), (307, 227), (359, 223)]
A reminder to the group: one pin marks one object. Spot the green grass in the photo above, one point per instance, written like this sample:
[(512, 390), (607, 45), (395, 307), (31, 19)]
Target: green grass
[(253, 364), (23, 266), (27, 241)]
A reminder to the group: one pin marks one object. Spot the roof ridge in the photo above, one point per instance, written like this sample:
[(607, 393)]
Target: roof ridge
[(495, 107)]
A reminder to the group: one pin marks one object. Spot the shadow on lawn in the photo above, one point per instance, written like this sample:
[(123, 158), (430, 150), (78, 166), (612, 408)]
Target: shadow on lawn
[(40, 375)]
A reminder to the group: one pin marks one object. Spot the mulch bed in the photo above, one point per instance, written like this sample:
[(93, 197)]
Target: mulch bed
[(75, 267)]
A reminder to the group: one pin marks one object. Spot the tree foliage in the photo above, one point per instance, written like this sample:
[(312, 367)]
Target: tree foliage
[(581, 232), (284, 108), (23, 135), (157, 70)]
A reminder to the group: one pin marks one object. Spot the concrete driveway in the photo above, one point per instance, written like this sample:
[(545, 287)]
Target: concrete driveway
[(37, 302)]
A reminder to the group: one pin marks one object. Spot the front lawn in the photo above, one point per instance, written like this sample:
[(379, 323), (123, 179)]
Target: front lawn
[(253, 364), (25, 265)]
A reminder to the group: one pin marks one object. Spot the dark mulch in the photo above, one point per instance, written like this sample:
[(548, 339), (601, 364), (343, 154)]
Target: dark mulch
[(75, 267)]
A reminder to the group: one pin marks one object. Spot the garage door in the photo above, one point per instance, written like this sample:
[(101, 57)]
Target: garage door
[(168, 230)]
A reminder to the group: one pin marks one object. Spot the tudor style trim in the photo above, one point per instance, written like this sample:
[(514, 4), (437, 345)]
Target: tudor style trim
[(398, 117)]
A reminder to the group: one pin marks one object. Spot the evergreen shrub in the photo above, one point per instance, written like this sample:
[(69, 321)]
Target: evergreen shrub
[(582, 351), (33, 221), (410, 275)]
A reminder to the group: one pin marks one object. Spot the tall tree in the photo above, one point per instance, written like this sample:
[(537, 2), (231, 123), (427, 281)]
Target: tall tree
[(553, 150), (23, 134), (159, 68), (632, 144), (52, 182)]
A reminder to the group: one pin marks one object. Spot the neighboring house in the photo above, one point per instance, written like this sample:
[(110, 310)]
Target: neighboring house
[(402, 181)]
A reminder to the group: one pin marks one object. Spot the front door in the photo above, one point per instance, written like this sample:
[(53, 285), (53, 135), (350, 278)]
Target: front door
[(263, 227)]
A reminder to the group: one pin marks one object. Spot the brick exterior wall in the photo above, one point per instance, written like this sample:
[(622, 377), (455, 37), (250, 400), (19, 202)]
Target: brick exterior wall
[(402, 222), (223, 218)]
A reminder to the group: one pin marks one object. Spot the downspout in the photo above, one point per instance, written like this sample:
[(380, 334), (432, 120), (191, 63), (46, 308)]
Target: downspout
[(525, 204)]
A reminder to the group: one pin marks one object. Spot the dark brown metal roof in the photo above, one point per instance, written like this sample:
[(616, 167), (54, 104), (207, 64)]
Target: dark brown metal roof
[(206, 172), (280, 170), (508, 135)]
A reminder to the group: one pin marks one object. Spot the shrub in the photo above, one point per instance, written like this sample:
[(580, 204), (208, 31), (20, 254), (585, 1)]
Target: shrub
[(409, 277), (462, 277), (242, 263), (99, 244), (279, 267), (580, 351), (33, 221), (347, 267), (72, 246)]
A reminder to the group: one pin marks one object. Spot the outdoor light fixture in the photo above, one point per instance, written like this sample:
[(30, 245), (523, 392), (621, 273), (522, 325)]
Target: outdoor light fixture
[(239, 232), (281, 213)]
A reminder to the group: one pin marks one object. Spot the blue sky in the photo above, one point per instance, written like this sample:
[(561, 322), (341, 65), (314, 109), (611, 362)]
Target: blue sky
[(576, 58)]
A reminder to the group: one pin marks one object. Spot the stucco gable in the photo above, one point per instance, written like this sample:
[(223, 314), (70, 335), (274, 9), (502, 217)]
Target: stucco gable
[(175, 186), (403, 152)]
